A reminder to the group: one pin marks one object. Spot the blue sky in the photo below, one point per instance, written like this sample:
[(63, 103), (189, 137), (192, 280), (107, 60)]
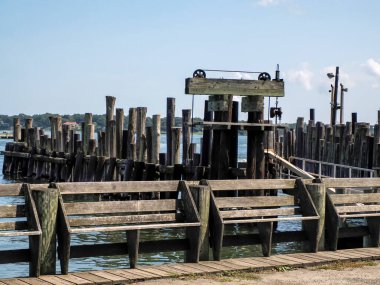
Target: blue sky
[(65, 56)]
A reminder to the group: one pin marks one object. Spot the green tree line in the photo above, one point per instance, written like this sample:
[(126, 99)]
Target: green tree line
[(42, 121)]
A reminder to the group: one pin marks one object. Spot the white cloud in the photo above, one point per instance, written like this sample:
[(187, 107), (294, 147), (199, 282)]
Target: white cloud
[(373, 66), (242, 75), (265, 3), (303, 76)]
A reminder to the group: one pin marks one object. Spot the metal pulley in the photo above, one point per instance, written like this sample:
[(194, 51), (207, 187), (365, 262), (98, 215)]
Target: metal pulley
[(199, 73), (264, 76)]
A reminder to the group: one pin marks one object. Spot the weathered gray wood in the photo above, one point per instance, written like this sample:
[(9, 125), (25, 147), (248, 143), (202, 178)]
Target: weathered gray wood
[(248, 184), (355, 198), (186, 135), (12, 211), (265, 232), (351, 182), (105, 207), (217, 229), (11, 189), (132, 119), (193, 234), (133, 238), (207, 86), (156, 126), (117, 187), (119, 131), (140, 134), (176, 145), (332, 225), (170, 123), (317, 193), (201, 195), (258, 213), (245, 202), (110, 106), (63, 234), (132, 219), (357, 209), (47, 207)]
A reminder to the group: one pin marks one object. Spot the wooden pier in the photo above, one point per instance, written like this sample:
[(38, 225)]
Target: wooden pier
[(143, 273)]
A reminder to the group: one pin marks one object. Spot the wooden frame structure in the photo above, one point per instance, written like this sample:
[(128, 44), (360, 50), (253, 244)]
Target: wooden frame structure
[(21, 220), (261, 210), (360, 205), (129, 216)]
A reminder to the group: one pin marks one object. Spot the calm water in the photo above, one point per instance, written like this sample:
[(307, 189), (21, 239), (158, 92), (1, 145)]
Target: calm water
[(82, 264)]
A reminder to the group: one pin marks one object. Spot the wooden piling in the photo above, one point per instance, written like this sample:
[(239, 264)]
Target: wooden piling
[(156, 138), (176, 145), (132, 118), (170, 123), (317, 192), (119, 131), (46, 201), (186, 135), (207, 137), (110, 106), (140, 134), (201, 196)]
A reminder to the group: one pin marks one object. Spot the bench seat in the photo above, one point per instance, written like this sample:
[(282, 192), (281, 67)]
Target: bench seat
[(352, 206), (260, 210), (131, 216)]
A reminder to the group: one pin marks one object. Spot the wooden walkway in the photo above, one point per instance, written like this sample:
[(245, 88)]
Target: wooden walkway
[(122, 276)]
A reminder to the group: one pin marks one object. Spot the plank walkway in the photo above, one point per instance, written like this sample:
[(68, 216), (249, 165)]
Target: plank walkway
[(122, 276)]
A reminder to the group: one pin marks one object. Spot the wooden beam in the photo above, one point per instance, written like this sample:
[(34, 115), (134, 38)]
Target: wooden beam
[(213, 86)]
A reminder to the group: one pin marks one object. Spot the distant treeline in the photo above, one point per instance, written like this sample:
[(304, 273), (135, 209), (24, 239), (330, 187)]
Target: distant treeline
[(42, 121)]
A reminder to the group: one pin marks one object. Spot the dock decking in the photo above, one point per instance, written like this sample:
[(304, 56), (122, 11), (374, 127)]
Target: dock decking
[(122, 276)]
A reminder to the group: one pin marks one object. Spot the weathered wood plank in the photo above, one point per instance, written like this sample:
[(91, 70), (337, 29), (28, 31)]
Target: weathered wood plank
[(13, 281), (259, 220), (12, 211), (11, 189), (107, 275), (105, 207), (55, 280), (93, 278), (213, 86), (14, 226), (135, 219), (251, 184), (134, 227), (117, 187), (357, 209), (258, 213), (355, 198), (256, 201), (351, 182)]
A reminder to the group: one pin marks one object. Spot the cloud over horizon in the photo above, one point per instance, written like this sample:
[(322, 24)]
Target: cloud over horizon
[(303, 75)]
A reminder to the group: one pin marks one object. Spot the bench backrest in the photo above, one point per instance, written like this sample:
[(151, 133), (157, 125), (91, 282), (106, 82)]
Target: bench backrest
[(250, 184)]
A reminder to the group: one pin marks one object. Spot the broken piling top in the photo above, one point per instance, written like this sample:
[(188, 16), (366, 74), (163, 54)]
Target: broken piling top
[(236, 87)]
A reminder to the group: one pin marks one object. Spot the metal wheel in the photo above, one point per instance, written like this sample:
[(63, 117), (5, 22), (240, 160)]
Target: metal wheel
[(199, 73), (264, 76)]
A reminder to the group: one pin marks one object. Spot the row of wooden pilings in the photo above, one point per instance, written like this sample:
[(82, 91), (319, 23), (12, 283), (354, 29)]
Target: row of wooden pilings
[(352, 144), (134, 153)]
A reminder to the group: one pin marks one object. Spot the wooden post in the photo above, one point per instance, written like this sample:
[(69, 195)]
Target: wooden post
[(28, 125), (156, 138), (16, 129), (110, 106), (233, 152), (140, 134), (176, 145), (119, 131), (112, 138), (132, 118), (317, 192), (59, 136), (170, 123), (207, 137), (201, 196), (255, 138), (149, 143), (186, 133), (222, 106), (46, 201)]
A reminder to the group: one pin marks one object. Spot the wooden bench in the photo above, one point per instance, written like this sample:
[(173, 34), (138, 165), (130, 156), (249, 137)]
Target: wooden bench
[(352, 206), (130, 216), (19, 218), (261, 210)]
